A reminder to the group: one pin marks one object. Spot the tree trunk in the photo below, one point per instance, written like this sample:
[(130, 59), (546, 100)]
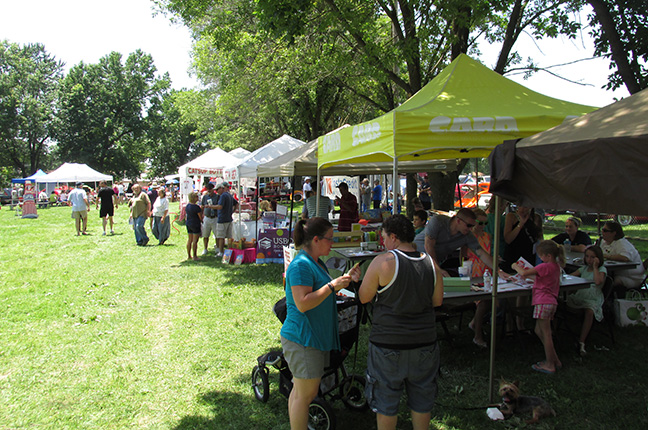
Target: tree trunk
[(617, 49)]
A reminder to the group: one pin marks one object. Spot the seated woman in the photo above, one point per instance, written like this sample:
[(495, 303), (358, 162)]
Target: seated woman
[(578, 238), (590, 299), (617, 248)]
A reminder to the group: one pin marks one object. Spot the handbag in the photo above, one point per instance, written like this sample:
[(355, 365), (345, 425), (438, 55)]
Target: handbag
[(633, 310)]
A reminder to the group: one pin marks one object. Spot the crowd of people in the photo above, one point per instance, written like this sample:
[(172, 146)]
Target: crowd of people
[(405, 285)]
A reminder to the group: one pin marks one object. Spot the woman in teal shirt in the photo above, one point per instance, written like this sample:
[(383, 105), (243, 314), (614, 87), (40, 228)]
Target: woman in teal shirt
[(310, 330)]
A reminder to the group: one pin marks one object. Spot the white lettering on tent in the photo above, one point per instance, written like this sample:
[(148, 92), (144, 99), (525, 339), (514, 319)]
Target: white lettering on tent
[(365, 132), (440, 124), (331, 143)]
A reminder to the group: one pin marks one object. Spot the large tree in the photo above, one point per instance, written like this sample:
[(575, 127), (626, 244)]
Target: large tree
[(388, 49), (29, 77), (102, 116), (620, 31), (171, 136)]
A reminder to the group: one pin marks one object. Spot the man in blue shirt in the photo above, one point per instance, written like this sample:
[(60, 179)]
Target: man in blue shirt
[(376, 194), (226, 207)]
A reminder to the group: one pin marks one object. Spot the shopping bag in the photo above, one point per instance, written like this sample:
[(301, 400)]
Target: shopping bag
[(633, 310)]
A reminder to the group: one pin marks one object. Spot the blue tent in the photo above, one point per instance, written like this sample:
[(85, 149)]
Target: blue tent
[(33, 178)]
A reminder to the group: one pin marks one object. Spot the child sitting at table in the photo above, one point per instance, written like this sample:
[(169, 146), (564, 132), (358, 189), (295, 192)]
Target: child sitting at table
[(545, 299), (589, 299)]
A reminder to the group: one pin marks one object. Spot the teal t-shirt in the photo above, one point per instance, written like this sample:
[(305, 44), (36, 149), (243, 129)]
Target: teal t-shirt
[(318, 327)]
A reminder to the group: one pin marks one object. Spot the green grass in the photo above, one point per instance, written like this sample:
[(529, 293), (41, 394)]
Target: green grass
[(98, 333)]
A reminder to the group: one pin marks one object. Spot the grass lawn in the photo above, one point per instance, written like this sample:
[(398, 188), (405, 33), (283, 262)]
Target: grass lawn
[(98, 333)]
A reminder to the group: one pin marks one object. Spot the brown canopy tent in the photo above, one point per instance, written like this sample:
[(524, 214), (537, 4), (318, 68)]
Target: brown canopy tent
[(594, 163)]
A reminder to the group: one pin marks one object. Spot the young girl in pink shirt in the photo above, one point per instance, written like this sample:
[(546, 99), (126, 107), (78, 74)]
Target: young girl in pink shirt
[(545, 299)]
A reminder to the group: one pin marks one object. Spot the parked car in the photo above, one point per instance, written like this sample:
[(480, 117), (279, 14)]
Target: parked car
[(5, 197)]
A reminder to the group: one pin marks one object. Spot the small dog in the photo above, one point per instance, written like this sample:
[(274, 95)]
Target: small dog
[(513, 402)]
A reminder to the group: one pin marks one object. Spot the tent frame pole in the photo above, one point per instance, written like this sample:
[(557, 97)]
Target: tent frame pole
[(493, 334)]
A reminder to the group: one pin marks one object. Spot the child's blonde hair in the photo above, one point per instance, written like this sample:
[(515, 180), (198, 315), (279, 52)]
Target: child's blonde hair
[(193, 197), (552, 248)]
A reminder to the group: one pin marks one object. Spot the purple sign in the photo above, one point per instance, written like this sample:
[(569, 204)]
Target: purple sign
[(270, 244)]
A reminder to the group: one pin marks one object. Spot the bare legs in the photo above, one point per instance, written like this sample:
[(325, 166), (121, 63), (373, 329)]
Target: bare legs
[(543, 330), (419, 421), (476, 324), (192, 245), (301, 396)]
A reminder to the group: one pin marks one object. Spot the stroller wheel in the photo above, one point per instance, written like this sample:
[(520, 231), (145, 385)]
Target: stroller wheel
[(320, 415), (260, 383), (352, 392)]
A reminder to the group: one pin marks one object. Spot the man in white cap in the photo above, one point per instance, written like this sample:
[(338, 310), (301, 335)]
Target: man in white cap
[(226, 207), (209, 224), (78, 199)]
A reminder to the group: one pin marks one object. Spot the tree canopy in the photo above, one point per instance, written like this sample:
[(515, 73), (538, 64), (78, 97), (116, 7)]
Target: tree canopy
[(102, 116), (29, 78)]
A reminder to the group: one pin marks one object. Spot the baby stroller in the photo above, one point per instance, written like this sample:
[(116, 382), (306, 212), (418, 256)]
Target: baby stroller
[(336, 382)]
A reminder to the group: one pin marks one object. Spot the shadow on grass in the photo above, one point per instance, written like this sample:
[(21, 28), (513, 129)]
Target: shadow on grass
[(233, 410)]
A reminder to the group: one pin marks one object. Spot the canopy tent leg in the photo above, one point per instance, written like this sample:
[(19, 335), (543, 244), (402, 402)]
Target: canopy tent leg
[(493, 334), (292, 203)]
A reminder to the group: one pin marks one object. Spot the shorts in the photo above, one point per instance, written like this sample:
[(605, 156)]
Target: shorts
[(79, 214), (389, 371), (223, 230), (104, 212), (544, 312), (208, 225), (193, 229), (305, 362)]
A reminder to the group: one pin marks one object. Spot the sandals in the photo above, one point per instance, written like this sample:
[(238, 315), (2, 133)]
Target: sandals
[(542, 369)]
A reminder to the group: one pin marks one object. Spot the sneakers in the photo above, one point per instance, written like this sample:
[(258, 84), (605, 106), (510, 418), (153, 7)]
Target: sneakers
[(581, 349), (104, 233), (204, 252), (112, 231), (219, 254)]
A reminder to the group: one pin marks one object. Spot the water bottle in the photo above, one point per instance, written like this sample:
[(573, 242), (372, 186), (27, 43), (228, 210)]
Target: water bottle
[(487, 281), (567, 245)]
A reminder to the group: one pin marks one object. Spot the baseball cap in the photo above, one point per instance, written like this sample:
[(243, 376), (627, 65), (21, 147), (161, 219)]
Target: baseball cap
[(342, 185)]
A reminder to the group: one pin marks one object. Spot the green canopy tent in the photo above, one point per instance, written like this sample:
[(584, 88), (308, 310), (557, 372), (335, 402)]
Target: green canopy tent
[(464, 112)]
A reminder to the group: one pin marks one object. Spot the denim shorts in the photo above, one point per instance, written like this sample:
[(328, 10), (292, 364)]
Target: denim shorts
[(389, 371), (305, 362)]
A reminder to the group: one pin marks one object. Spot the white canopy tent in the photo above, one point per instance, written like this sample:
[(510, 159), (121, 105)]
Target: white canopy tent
[(73, 172), (240, 153), (211, 163), (268, 153)]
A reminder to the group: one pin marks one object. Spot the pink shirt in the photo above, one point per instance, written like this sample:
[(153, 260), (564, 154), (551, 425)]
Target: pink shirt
[(547, 284)]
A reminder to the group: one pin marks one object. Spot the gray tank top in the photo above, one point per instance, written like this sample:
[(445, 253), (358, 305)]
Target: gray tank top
[(403, 314)]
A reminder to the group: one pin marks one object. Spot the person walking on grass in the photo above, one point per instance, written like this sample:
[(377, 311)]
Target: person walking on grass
[(545, 299), (106, 196), (140, 210), (78, 199), (193, 222), (161, 228)]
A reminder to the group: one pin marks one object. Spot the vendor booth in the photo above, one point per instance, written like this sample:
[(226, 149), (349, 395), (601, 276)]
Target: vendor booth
[(464, 112)]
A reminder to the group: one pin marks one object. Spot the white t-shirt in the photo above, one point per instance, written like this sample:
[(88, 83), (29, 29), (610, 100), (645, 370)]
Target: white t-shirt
[(77, 197), (160, 206)]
